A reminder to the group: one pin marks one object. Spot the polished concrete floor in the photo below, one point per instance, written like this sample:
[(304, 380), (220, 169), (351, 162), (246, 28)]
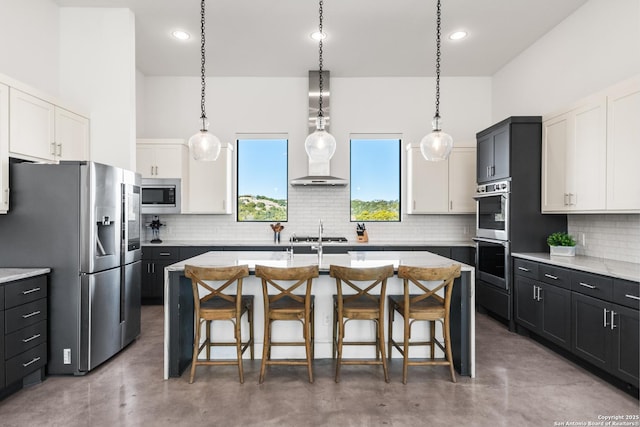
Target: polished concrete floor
[(519, 383)]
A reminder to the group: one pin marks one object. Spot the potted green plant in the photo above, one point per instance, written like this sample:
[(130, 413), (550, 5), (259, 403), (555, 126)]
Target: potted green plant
[(561, 243)]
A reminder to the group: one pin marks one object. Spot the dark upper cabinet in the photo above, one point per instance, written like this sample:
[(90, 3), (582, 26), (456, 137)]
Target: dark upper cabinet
[(493, 155)]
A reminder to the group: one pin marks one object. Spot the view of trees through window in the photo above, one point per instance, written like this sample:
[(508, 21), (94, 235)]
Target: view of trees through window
[(262, 179), (375, 179)]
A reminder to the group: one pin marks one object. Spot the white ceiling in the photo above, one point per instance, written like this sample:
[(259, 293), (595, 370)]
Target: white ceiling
[(364, 37)]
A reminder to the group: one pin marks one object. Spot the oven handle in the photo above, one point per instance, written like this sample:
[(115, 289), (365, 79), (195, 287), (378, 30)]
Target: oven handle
[(504, 243), (485, 195)]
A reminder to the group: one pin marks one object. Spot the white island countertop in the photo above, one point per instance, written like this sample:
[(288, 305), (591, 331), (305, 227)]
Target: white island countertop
[(13, 274), (352, 259)]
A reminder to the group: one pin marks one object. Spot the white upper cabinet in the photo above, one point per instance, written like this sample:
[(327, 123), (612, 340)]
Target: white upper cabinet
[(623, 148), (4, 148), (441, 187), (71, 135), (573, 149), (162, 158), (590, 152), (210, 184), (42, 131), (32, 127)]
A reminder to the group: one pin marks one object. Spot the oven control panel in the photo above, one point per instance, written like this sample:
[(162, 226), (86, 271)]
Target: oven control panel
[(494, 187)]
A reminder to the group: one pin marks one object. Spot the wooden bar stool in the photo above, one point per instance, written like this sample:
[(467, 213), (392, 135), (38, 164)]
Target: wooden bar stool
[(361, 305), (218, 304), (281, 303), (425, 305)]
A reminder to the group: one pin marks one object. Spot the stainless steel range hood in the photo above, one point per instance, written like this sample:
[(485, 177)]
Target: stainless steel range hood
[(319, 172)]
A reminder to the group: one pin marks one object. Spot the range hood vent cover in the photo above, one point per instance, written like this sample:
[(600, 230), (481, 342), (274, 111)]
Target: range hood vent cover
[(319, 172)]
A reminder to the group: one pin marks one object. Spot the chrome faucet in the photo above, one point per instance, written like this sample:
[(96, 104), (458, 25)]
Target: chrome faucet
[(318, 247)]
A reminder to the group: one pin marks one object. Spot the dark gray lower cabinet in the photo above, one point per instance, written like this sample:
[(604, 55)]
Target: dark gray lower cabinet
[(154, 260), (543, 309), (607, 336), (594, 317)]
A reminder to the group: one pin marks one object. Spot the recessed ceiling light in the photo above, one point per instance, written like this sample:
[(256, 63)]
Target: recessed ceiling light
[(318, 36), (180, 35), (457, 35)]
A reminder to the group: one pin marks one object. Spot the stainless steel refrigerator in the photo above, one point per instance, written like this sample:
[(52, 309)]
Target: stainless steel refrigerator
[(81, 219)]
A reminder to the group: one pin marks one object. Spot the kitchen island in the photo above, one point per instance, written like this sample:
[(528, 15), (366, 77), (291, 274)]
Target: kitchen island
[(179, 330)]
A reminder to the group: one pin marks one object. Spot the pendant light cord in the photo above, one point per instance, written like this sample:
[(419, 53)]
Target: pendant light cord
[(202, 66), (320, 114), (438, 20)]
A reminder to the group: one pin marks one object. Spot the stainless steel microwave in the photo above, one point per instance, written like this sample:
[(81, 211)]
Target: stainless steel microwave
[(161, 196)]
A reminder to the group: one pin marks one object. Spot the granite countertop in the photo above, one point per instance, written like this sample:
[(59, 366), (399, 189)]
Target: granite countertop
[(12, 274), (283, 259), (605, 267), (268, 243)]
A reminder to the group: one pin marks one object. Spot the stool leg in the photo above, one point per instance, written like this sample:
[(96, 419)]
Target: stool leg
[(208, 338), (335, 331), (196, 347), (238, 335), (266, 347), (340, 333), (432, 338), (381, 345), (447, 343), (308, 334), (405, 354), (250, 317), (313, 332), (391, 317)]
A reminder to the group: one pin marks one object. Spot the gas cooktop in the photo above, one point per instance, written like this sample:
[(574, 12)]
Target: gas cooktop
[(298, 239)]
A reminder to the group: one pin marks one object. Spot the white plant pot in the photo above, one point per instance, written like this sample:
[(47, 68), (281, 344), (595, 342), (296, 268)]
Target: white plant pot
[(563, 250)]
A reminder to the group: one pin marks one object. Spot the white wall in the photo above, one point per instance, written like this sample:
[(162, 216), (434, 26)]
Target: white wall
[(97, 71), (29, 51), (595, 47)]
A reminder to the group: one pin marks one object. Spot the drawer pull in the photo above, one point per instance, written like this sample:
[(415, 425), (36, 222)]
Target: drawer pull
[(165, 253), (30, 291), (633, 297), (34, 313), (523, 269), (550, 276), (586, 285), (604, 317), (31, 338), (31, 362)]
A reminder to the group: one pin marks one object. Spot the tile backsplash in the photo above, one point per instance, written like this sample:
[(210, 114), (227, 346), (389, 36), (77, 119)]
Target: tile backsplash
[(611, 236), (307, 205)]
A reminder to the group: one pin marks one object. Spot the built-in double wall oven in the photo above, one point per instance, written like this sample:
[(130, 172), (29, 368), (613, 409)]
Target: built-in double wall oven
[(492, 246)]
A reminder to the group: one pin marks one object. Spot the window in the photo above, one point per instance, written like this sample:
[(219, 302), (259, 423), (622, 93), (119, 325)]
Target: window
[(375, 179), (262, 179)]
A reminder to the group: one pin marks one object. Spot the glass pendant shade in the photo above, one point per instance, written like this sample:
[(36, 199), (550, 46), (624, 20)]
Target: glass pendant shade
[(204, 146), (320, 145), (437, 145)]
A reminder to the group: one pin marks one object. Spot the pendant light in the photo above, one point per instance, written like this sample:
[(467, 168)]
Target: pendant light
[(203, 145), (320, 145), (437, 145)]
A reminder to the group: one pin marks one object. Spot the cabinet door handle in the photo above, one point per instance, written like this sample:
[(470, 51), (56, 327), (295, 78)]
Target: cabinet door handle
[(551, 276), (539, 293), (52, 148), (613, 325), (151, 170), (31, 338), (534, 292), (493, 170), (156, 170), (60, 150), (524, 269), (604, 317), (488, 172), (31, 362), (34, 313), (633, 297), (586, 285), (153, 267), (6, 196), (29, 291)]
